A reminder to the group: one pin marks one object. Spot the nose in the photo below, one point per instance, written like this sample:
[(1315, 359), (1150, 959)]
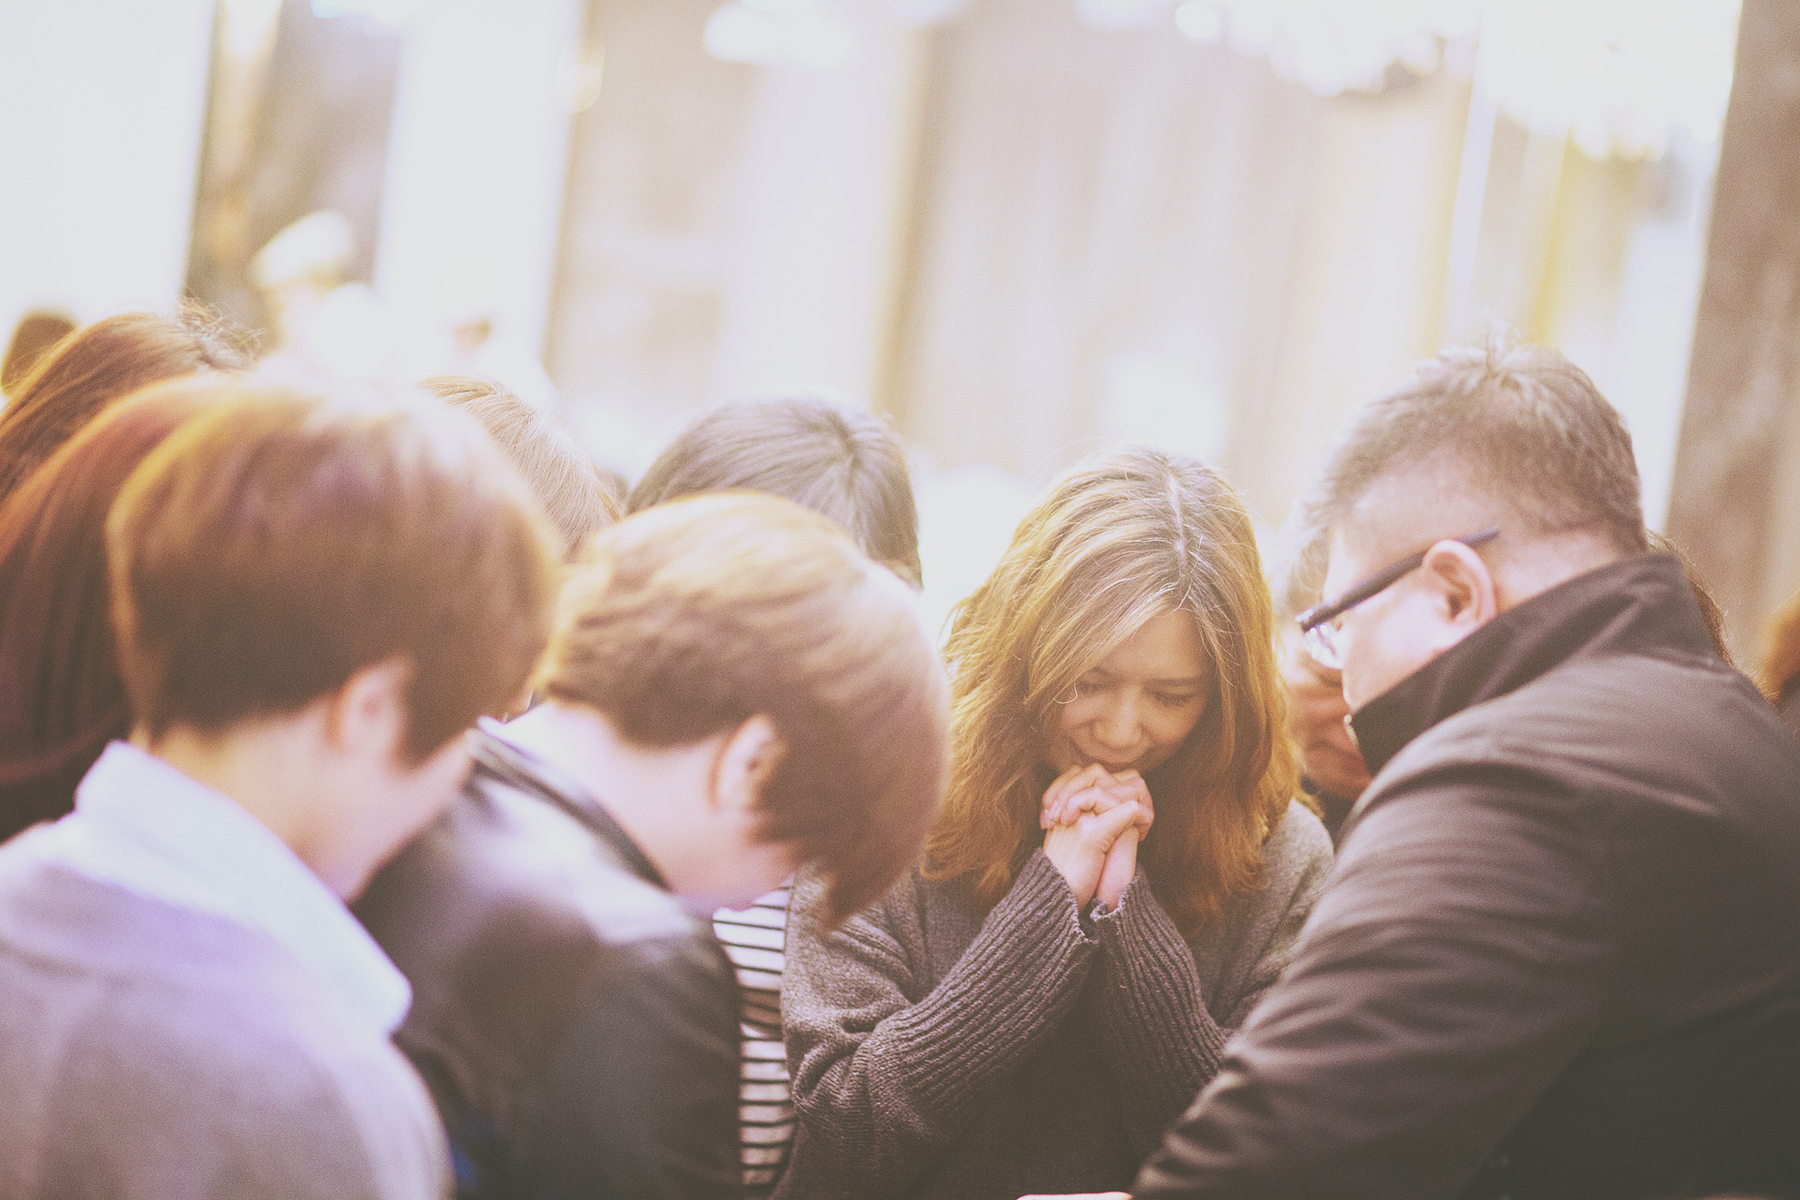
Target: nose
[(1117, 726)]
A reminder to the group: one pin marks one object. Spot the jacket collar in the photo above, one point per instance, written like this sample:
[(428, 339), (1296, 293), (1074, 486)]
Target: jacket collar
[(532, 774), (1637, 605)]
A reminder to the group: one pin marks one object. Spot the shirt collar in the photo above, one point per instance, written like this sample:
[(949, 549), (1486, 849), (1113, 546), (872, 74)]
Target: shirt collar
[(143, 825)]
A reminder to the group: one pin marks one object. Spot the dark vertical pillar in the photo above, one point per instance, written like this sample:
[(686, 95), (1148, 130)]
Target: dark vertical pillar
[(1732, 503), (310, 132)]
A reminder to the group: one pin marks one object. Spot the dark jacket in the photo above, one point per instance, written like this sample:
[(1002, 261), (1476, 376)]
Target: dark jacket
[(1559, 955), (575, 1023)]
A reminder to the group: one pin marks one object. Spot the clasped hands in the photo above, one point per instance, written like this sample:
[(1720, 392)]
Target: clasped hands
[(1093, 821)]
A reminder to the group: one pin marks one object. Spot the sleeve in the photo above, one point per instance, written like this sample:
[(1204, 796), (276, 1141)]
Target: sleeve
[(640, 1097), (1162, 1035), (885, 1073), (1457, 961)]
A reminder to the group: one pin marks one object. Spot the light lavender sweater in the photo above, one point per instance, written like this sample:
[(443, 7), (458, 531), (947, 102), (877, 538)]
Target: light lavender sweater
[(149, 1051), (941, 1051)]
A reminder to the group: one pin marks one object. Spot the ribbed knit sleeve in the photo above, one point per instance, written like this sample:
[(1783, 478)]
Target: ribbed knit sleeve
[(1163, 1031), (1161, 1042), (886, 1073)]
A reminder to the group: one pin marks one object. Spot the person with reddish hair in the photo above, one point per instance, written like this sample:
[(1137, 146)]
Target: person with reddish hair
[(96, 366), (61, 697)]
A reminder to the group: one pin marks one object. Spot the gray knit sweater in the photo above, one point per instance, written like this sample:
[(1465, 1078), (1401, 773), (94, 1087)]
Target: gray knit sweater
[(940, 1051)]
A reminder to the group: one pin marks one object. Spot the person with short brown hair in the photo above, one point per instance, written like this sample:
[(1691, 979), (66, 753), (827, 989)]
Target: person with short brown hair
[(313, 595), (546, 456), (321, 538), (733, 689), (849, 466)]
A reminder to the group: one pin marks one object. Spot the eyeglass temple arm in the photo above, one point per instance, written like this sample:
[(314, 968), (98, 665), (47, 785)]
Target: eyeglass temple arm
[(1318, 614)]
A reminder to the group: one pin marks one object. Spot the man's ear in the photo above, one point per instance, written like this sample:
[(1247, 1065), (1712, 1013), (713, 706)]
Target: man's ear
[(746, 763), (1464, 584), (367, 716)]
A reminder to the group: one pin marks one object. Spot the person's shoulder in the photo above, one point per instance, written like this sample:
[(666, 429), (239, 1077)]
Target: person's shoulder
[(83, 930), (506, 866), (1601, 735), (1298, 839), (900, 906), (275, 1059), (225, 999), (1619, 701), (1296, 858), (164, 1022)]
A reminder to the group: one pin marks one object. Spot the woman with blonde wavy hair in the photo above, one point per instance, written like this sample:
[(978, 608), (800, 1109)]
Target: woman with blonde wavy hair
[(1118, 873)]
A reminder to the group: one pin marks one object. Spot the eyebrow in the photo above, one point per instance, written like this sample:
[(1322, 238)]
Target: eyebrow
[(1197, 681)]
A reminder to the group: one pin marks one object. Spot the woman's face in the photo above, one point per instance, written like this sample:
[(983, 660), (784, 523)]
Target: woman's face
[(1133, 707)]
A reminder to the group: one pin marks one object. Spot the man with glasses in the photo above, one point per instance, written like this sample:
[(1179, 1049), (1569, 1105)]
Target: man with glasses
[(1560, 951)]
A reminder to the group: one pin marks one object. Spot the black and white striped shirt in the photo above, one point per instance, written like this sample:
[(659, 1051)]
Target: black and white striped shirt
[(754, 939)]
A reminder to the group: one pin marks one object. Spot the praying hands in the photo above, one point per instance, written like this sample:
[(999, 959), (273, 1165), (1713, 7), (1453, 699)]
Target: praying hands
[(1093, 821)]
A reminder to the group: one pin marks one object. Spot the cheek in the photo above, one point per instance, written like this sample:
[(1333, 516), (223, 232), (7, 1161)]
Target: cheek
[(1171, 728), (1386, 645)]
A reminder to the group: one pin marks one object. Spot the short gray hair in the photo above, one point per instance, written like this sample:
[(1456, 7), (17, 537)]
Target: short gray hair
[(1526, 427)]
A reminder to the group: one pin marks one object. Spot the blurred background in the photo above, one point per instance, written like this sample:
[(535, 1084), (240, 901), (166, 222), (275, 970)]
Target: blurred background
[(1021, 228)]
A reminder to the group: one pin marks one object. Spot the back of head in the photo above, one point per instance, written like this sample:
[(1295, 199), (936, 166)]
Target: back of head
[(284, 540), (544, 454), (96, 366), (1120, 538), (32, 338), (1505, 435), (61, 697), (844, 464), (692, 617)]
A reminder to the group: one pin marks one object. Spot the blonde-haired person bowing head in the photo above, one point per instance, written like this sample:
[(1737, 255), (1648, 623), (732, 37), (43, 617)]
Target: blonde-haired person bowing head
[(1119, 871)]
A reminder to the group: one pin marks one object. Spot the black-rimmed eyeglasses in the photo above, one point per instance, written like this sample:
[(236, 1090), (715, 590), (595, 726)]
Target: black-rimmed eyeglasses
[(1319, 623)]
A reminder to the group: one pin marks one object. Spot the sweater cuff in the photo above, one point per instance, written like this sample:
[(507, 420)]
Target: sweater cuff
[(1036, 921), (1162, 999), (1098, 912)]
